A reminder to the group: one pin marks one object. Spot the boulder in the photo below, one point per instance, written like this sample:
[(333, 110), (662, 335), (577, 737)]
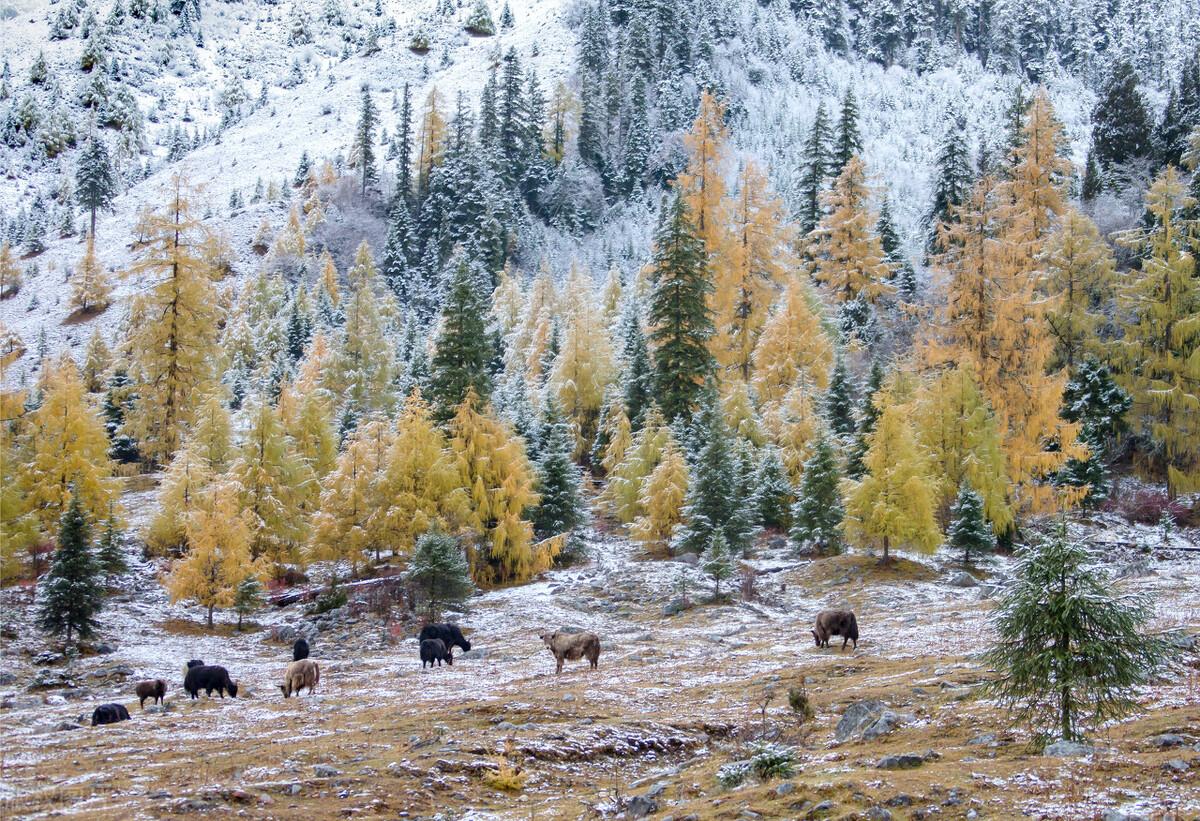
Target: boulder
[(786, 788), (900, 761), (1176, 765), (675, 606), (887, 722), (1166, 741), (7, 677), (961, 578), (640, 806), (877, 814), (103, 649), (112, 671), (48, 657), (688, 558), (325, 771), (857, 717), (983, 738), (1067, 749)]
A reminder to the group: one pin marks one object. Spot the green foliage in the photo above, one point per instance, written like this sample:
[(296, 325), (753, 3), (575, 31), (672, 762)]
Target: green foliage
[(818, 512), (733, 774), (247, 598), (439, 573), (680, 317), (560, 507), (330, 599), (1072, 653), (717, 563), (969, 531), (110, 556), (839, 401), (479, 22), (71, 593), (714, 498), (773, 761), (773, 491), (464, 349)]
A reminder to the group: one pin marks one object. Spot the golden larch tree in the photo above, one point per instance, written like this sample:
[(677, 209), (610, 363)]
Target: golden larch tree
[(848, 250), (1158, 358), (662, 500), (1080, 274), (624, 489), (793, 346), (91, 286), (701, 183), (173, 344)]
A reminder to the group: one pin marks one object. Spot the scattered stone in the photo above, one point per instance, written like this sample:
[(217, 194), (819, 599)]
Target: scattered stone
[(112, 671), (1067, 749), (658, 789), (104, 649), (821, 810), (688, 558), (983, 738), (21, 702), (7, 678), (962, 578), (857, 717), (640, 806), (675, 606), (887, 722), (1182, 641), (1117, 815), (569, 697), (900, 761), (1166, 741), (325, 771), (1177, 765), (786, 788), (158, 794), (878, 814), (900, 800), (475, 653), (66, 726), (48, 657)]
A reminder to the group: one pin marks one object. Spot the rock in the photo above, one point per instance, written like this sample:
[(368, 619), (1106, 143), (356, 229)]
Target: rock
[(49, 678), (1066, 749), (7, 678), (475, 653), (158, 794), (157, 709), (900, 761), (325, 771), (878, 814), (1117, 815), (658, 789), (886, 723), (67, 726), (688, 558), (111, 671), (104, 649), (900, 800), (786, 788), (1177, 765), (983, 738), (821, 810), (1182, 641), (284, 633), (1166, 741), (962, 578), (48, 657), (569, 697), (640, 806), (857, 717), (675, 606)]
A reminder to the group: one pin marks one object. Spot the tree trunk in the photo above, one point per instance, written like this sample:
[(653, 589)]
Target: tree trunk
[(210, 609), (886, 558), (93, 224)]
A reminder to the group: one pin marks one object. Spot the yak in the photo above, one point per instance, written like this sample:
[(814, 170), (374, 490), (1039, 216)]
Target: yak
[(835, 623)]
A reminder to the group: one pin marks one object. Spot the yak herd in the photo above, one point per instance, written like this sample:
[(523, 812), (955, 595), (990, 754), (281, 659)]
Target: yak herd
[(436, 645)]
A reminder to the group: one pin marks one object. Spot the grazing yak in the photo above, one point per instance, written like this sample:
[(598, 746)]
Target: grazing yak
[(299, 650), (301, 673), (572, 647), (436, 650), (109, 714), (835, 623), (209, 677), (450, 634), (154, 688)]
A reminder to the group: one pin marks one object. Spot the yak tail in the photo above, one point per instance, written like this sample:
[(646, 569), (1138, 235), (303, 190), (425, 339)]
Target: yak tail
[(854, 625)]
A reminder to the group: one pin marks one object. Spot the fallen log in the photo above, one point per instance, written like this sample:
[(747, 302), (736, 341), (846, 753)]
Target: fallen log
[(286, 597)]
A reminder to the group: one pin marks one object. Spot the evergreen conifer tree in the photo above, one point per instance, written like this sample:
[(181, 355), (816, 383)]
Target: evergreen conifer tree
[(717, 562), (362, 150), (817, 515), (439, 573), (849, 142), (560, 507), (839, 401), (1121, 130), (110, 554), (95, 183), (817, 162), (773, 491), (868, 415), (1072, 653), (969, 531), (680, 319), (71, 594), (462, 357), (954, 176), (1093, 399), (247, 598)]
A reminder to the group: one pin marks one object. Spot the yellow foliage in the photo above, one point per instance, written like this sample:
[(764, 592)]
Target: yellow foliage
[(893, 503), (793, 424), (662, 499), (498, 479), (850, 258), (219, 560), (793, 347), (91, 290), (179, 496), (624, 490), (1080, 273), (350, 524), (701, 183), (66, 447)]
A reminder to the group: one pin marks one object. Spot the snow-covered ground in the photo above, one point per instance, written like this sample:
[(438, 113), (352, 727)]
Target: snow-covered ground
[(672, 697)]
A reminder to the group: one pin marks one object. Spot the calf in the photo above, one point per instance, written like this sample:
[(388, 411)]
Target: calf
[(300, 673), (436, 650), (572, 647), (109, 714), (450, 634), (209, 677), (299, 650), (155, 689), (835, 623)]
